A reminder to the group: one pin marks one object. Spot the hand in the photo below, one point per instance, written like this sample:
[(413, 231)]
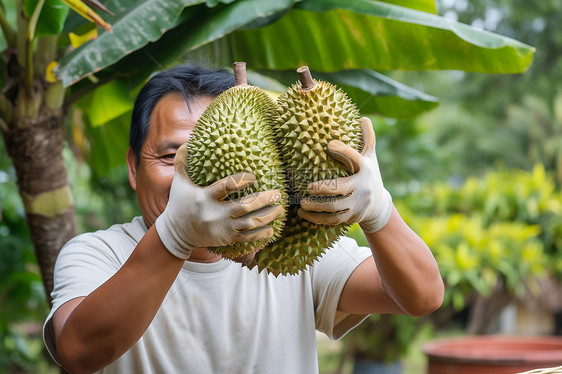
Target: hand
[(360, 197), (197, 217)]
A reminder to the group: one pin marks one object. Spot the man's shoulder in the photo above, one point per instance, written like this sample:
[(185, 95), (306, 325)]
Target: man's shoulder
[(134, 229), (345, 246), (346, 242), (344, 252), (119, 239)]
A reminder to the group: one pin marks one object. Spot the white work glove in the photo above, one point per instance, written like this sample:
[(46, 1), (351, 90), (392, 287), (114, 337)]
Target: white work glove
[(197, 217), (360, 197)]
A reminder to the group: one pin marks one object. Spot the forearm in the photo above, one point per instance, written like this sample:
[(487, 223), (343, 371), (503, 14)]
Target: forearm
[(113, 317), (407, 268)]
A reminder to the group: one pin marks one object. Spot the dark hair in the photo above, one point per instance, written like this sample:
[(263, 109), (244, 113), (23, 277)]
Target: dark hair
[(188, 80)]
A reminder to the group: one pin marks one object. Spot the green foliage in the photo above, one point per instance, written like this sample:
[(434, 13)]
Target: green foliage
[(531, 22), (101, 122), (211, 24), (467, 141), (504, 224), (269, 35), (470, 137), (356, 233), (22, 296), (52, 16), (101, 201), (537, 121), (108, 145), (422, 5), (353, 28), (471, 257), (406, 156), (513, 117), (106, 103), (151, 35)]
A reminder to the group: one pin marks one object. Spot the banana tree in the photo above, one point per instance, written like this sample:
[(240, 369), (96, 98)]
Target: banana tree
[(45, 75)]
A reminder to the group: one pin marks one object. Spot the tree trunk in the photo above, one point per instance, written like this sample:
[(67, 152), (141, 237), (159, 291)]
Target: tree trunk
[(35, 147), (485, 311)]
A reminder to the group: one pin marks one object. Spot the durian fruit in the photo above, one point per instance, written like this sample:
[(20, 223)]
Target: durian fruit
[(311, 114), (235, 134)]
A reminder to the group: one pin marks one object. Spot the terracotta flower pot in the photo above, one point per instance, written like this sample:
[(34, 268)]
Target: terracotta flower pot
[(493, 354)]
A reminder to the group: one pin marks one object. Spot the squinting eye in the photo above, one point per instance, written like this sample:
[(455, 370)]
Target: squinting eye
[(171, 155)]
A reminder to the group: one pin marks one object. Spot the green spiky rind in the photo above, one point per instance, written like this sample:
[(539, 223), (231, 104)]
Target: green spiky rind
[(234, 134), (307, 122), (300, 245)]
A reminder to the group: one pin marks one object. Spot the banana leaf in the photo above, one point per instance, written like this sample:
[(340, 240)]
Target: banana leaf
[(148, 21), (327, 35)]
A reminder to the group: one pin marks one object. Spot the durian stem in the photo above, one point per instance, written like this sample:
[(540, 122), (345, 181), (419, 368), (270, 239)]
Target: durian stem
[(307, 83), (240, 78)]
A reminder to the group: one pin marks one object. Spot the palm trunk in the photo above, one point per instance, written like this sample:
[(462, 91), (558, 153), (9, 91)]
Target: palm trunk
[(31, 118), (35, 146)]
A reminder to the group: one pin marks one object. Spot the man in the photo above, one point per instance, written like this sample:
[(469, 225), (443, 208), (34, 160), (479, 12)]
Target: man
[(147, 297)]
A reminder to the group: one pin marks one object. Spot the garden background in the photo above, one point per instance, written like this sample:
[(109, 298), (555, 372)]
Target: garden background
[(466, 102)]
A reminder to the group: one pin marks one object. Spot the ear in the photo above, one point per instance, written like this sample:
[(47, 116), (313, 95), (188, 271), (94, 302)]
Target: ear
[(132, 167)]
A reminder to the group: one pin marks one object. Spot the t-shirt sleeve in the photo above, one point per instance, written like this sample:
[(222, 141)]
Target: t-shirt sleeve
[(82, 265), (329, 276)]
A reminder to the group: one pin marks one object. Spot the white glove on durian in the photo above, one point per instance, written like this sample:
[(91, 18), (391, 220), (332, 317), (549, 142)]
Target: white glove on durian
[(196, 217), (360, 197)]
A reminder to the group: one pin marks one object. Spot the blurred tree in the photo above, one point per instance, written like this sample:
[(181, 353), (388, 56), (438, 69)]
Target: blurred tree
[(514, 121), (536, 23)]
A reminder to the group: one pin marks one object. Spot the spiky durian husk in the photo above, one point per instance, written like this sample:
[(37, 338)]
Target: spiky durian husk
[(301, 243), (307, 122), (234, 134)]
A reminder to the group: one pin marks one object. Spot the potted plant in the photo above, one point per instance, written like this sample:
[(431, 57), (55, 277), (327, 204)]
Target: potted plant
[(493, 354)]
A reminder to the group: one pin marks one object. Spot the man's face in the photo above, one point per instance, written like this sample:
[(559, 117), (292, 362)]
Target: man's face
[(171, 124)]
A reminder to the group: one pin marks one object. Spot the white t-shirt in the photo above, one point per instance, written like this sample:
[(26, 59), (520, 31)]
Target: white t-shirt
[(218, 317)]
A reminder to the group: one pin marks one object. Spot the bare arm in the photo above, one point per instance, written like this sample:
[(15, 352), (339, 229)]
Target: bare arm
[(94, 331), (401, 277)]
